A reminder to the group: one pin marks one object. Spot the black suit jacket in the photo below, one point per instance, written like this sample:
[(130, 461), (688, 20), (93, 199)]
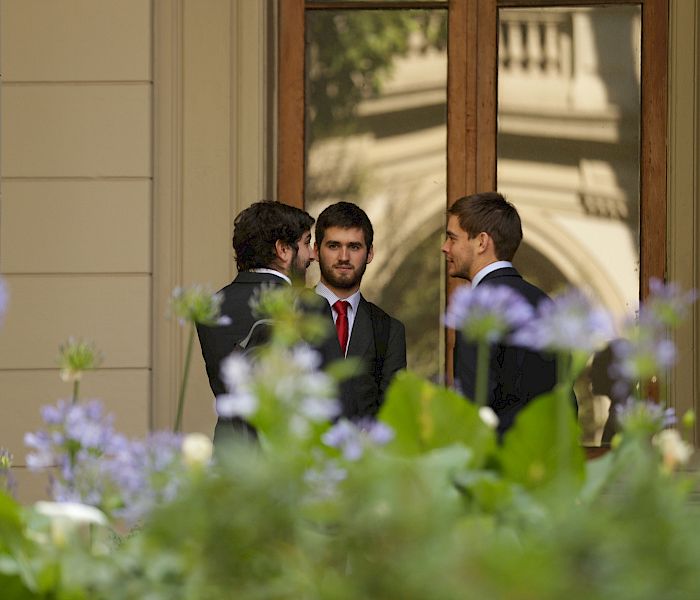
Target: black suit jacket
[(218, 342), (516, 375), (360, 395)]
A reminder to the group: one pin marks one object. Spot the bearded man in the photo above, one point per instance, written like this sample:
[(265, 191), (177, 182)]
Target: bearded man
[(272, 246), (344, 238)]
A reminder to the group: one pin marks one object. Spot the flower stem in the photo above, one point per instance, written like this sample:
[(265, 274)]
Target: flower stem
[(563, 442), (76, 387), (482, 372), (183, 386)]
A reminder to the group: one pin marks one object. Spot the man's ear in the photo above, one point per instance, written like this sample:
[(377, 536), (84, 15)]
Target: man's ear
[(284, 253), (484, 241), (370, 254)]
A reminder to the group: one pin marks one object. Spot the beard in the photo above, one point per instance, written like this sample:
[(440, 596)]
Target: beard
[(343, 281), (298, 267)]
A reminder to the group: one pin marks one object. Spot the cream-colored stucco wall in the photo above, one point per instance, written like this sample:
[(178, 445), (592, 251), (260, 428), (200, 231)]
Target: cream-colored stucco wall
[(132, 133), (75, 205)]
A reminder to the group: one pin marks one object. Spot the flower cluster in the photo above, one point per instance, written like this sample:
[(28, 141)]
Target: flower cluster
[(568, 323), (645, 349), (353, 438), (487, 313), (93, 464), (197, 304), (146, 473), (674, 450), (75, 357), (667, 303), (644, 416), (289, 377)]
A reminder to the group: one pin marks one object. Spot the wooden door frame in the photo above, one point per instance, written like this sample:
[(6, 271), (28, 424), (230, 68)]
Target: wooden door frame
[(472, 104)]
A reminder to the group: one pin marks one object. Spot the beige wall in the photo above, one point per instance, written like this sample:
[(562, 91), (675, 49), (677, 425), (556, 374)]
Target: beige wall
[(76, 204), (132, 133)]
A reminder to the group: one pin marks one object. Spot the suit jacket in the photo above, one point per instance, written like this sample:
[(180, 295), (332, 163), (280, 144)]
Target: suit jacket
[(360, 395), (516, 375), (218, 342)]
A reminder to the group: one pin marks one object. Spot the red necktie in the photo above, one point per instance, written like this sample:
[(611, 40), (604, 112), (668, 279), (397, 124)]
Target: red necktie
[(341, 323)]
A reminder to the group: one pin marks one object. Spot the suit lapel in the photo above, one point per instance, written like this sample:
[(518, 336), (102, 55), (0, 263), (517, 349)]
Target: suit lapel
[(361, 335)]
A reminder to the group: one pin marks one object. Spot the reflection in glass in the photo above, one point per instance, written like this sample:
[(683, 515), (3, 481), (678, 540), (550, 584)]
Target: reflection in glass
[(568, 156), (376, 136)]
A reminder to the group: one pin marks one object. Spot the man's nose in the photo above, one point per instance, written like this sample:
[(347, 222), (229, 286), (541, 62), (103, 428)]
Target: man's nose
[(344, 254)]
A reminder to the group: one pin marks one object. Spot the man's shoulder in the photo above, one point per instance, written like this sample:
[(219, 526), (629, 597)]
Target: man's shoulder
[(249, 280), (379, 313), (512, 278)]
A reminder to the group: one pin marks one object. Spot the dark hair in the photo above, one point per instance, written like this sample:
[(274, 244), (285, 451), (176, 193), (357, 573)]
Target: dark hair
[(346, 215), (490, 212), (257, 228)]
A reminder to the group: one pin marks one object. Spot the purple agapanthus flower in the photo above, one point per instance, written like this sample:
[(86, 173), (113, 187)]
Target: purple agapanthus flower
[(666, 304), (641, 356), (71, 428), (352, 438), (146, 472), (325, 479), (487, 313), (644, 415), (569, 322)]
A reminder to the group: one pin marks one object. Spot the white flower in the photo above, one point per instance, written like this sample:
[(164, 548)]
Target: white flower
[(197, 449), (316, 384), (243, 404), (320, 409), (71, 511), (306, 358), (66, 517), (235, 371), (674, 451), (489, 417)]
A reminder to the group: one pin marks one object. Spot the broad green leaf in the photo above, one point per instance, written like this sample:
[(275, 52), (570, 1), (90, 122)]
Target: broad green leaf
[(532, 453), (598, 475), (489, 491), (11, 525), (425, 416)]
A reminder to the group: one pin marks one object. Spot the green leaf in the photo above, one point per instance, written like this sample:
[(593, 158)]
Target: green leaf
[(532, 452), (11, 526), (425, 416), (598, 474), (13, 588), (489, 491)]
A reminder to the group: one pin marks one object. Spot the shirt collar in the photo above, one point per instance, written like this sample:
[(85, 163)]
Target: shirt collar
[(272, 272), (354, 300), (499, 264)]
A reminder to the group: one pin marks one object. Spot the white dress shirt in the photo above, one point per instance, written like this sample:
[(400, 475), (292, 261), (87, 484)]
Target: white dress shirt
[(353, 301)]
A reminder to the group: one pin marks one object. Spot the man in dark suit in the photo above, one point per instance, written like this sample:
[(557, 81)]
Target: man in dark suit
[(344, 238), (483, 234), (272, 245)]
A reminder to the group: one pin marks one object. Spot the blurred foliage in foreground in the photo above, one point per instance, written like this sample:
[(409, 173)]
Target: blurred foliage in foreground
[(425, 503)]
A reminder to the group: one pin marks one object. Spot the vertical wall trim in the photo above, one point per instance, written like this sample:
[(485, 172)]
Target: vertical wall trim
[(684, 191), (167, 204)]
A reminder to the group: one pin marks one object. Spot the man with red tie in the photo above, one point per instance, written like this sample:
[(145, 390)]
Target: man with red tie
[(344, 238)]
